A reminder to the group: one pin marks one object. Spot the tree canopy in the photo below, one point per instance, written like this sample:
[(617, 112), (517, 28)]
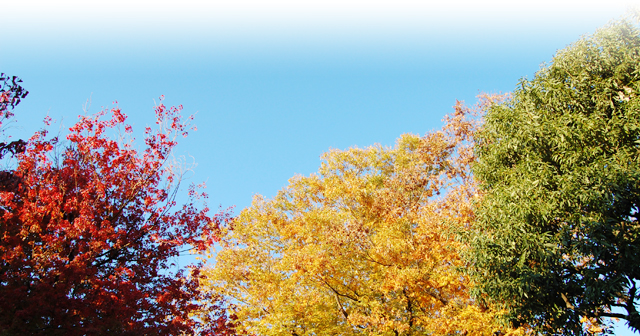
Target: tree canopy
[(365, 246), (527, 219), (556, 241), (88, 228)]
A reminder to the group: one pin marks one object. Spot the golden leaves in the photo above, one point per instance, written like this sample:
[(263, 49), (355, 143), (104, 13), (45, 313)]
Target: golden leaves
[(366, 245)]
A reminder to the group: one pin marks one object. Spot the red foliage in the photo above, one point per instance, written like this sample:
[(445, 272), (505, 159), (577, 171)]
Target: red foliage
[(86, 236)]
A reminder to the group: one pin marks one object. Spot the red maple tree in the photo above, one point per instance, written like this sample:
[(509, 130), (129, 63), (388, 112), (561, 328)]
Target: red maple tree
[(88, 229)]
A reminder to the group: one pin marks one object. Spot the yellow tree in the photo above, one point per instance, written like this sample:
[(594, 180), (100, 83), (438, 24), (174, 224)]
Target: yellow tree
[(364, 247)]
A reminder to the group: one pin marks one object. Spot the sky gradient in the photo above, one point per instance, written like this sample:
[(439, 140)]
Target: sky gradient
[(277, 83)]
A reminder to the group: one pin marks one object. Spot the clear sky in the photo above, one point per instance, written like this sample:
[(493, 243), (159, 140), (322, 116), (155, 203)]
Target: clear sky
[(276, 83)]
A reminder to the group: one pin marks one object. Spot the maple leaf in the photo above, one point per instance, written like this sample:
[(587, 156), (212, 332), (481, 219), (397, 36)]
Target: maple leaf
[(86, 236)]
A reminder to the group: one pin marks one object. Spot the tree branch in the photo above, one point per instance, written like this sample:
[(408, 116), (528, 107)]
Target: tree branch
[(338, 293)]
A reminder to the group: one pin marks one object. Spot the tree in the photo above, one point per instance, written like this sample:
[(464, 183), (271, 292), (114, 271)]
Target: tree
[(556, 243), (365, 246), (88, 230)]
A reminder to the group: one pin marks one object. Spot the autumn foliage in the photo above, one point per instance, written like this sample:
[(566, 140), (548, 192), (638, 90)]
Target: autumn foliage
[(540, 237), (365, 246), (89, 226)]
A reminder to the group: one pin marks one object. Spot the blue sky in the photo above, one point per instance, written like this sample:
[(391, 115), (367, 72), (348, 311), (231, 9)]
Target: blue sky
[(276, 83)]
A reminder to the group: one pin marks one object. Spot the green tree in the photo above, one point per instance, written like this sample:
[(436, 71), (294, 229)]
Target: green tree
[(557, 244)]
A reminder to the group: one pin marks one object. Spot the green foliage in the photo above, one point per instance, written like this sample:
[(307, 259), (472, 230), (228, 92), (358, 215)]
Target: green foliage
[(559, 167)]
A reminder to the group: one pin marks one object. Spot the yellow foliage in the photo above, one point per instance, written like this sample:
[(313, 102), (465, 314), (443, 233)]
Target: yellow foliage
[(365, 246)]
